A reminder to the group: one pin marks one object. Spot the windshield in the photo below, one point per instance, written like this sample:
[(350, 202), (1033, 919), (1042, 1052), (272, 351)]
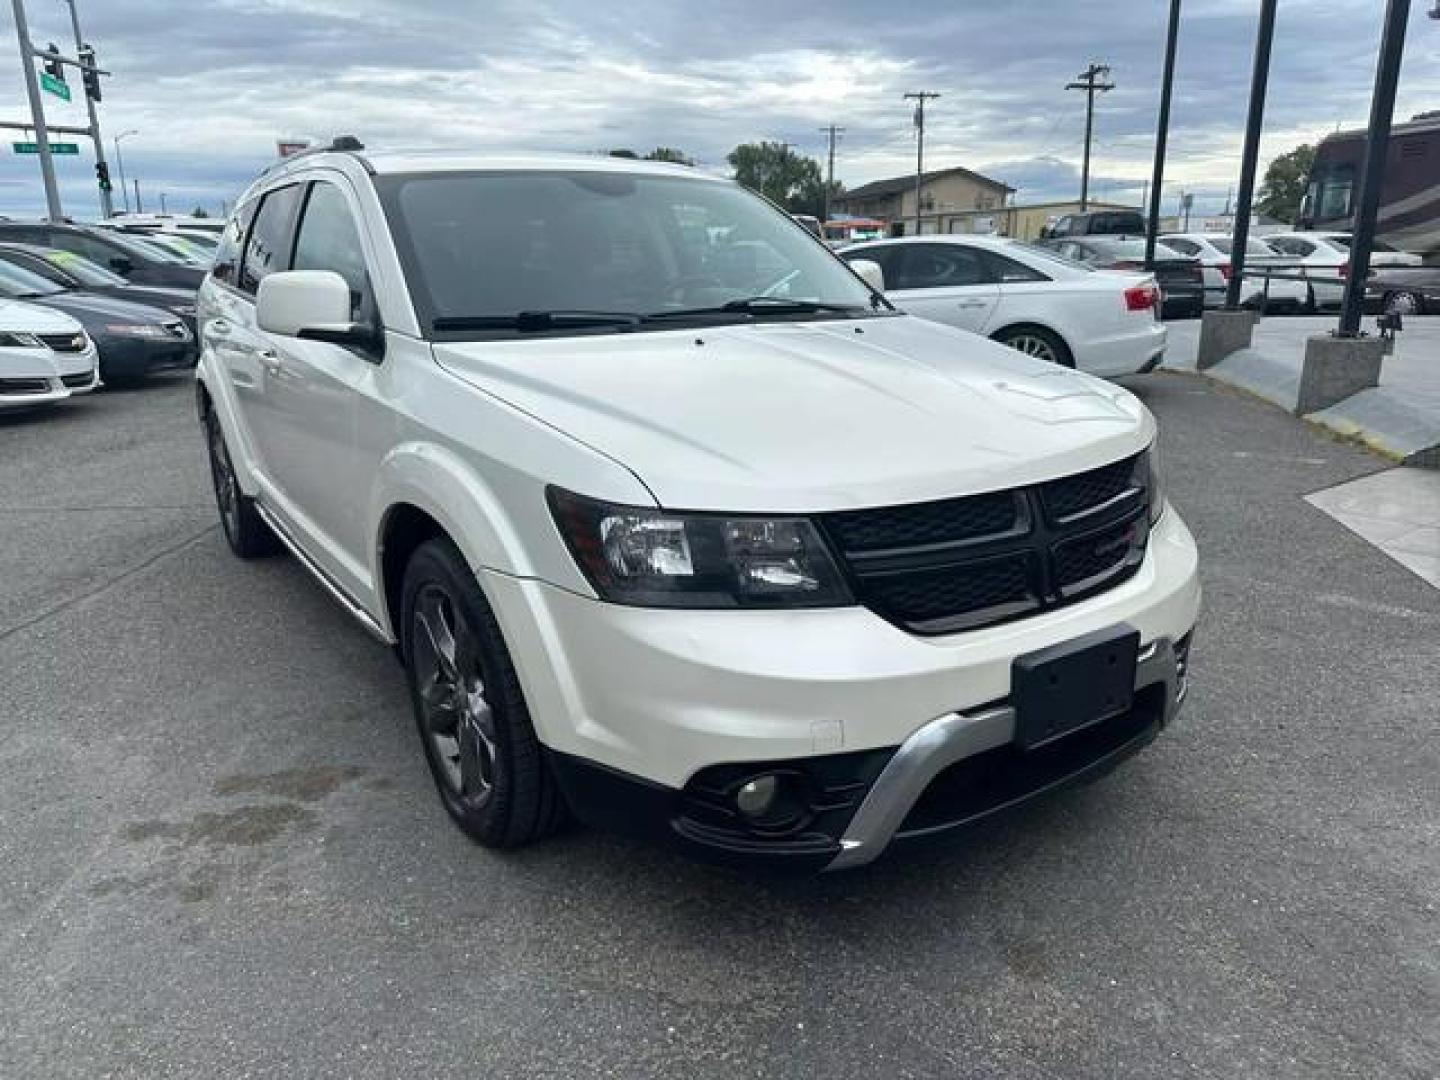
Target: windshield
[(16, 282), (490, 246), (82, 269), (187, 251), (1224, 244), (1044, 253), (143, 249)]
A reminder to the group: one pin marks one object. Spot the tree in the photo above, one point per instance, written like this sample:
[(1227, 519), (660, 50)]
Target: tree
[(669, 153), (631, 154), (781, 175), (199, 211), (1284, 184)]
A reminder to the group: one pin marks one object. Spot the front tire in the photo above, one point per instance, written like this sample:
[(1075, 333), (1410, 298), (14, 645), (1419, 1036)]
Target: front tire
[(245, 531), (1038, 342), (488, 766)]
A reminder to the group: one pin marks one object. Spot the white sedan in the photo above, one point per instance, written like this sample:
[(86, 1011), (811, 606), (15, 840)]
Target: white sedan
[(1214, 250), (45, 356), (1051, 307), (1326, 257)]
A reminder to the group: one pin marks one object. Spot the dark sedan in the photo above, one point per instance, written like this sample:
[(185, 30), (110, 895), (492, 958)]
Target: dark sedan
[(1180, 277), (132, 257), (132, 339), (72, 271), (1405, 290)]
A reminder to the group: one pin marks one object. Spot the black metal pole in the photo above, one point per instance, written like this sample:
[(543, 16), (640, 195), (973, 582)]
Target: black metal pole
[(1259, 77), (1372, 176), (1162, 132)]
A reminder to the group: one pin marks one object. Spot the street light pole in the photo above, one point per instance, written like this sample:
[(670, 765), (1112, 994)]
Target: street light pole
[(1259, 77), (120, 165), (1372, 175), (1162, 133), (107, 208)]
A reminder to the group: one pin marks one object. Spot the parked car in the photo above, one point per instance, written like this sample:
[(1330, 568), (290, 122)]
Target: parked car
[(1097, 222), (738, 561), (132, 339), (73, 271), (45, 356), (1026, 297), (1405, 290), (190, 251), (132, 257), (1180, 277), (1258, 290), (1325, 256)]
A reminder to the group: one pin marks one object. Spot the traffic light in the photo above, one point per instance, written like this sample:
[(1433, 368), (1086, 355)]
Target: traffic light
[(102, 174), (92, 80), (53, 67)]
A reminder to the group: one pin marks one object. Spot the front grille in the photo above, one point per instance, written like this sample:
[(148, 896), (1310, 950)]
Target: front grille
[(64, 342), (84, 378), (24, 386), (958, 564)]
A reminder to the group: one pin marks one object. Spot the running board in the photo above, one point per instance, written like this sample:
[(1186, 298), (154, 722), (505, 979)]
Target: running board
[(355, 611)]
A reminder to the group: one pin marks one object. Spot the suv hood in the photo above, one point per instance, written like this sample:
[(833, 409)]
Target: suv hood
[(826, 415)]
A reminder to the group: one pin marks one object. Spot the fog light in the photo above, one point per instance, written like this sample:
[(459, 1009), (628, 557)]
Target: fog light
[(756, 798)]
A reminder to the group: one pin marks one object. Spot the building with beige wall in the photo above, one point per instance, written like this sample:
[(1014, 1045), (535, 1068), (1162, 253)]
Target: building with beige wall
[(943, 194)]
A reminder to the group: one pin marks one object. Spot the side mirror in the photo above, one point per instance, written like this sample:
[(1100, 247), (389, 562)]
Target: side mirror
[(310, 304), (869, 272), (121, 264)]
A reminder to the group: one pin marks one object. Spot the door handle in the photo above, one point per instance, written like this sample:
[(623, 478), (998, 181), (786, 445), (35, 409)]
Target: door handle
[(270, 361), (218, 327), (971, 303)]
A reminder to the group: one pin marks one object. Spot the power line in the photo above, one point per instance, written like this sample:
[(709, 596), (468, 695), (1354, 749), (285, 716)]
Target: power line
[(919, 97), (834, 132), (1092, 81)]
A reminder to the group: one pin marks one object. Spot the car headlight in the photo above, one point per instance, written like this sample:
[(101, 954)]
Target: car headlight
[(1147, 475), (654, 558), (140, 330), (11, 340)]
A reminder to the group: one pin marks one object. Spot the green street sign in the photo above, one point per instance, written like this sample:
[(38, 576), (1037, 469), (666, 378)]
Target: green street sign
[(55, 148), (59, 87)]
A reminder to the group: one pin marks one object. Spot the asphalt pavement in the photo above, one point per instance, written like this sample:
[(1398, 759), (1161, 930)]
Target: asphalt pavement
[(221, 855)]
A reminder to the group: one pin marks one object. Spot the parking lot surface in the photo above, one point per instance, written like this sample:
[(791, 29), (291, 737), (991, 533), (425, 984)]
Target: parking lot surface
[(222, 855)]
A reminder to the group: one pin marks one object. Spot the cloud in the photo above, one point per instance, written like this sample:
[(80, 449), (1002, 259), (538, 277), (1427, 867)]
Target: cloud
[(211, 88)]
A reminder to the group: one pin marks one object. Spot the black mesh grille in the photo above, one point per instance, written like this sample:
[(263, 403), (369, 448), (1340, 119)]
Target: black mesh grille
[(24, 386), (920, 596), (64, 342), (924, 523), (1086, 490), (957, 564)]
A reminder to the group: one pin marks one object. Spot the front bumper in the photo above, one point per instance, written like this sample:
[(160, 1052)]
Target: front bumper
[(127, 357), (663, 702)]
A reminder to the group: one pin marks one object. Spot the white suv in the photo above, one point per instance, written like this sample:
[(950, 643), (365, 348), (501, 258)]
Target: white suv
[(676, 525)]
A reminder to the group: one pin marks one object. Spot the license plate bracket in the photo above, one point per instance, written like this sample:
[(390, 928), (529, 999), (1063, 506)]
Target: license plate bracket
[(1074, 685)]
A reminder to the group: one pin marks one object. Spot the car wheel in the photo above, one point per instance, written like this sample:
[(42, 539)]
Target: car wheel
[(488, 765), (245, 531), (1403, 302), (1038, 342)]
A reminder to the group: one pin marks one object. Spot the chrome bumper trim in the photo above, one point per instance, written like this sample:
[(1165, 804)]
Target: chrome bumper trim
[(951, 738)]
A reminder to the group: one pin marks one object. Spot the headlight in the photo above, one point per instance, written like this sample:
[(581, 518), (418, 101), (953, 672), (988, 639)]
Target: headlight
[(141, 330), (653, 558), (19, 341), (1147, 475)]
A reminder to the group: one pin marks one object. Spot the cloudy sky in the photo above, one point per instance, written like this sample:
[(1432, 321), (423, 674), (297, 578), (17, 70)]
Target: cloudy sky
[(209, 87)]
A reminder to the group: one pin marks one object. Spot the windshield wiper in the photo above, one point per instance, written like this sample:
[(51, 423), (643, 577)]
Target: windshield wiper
[(535, 321), (757, 305)]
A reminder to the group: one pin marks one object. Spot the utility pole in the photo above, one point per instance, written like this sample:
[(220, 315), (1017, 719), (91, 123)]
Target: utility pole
[(1377, 141), (1092, 81), (919, 97), (162, 202), (1259, 78), (1162, 133), (830, 172), (37, 112), (85, 53), (138, 207), (120, 165)]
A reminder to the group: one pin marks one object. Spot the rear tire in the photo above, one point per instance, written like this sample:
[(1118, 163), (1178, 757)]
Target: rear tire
[(1038, 342), (489, 768), (245, 531)]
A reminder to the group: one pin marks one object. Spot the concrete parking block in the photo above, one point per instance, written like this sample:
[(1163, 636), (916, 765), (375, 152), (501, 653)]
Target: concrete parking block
[(1334, 368)]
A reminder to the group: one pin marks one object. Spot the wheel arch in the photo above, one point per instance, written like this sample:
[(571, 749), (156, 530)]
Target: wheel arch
[(1032, 323)]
